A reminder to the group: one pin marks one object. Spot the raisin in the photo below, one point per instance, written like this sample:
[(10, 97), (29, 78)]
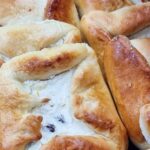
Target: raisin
[(51, 127), (61, 119)]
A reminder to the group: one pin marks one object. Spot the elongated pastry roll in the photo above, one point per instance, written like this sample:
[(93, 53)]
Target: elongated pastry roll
[(128, 75), (99, 27), (19, 39)]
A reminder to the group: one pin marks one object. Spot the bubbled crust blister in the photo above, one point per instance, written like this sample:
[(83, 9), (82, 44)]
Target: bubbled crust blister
[(128, 74), (99, 26), (88, 89), (86, 6)]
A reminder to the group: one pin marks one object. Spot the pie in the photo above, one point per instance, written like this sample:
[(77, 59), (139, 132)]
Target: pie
[(53, 88), (57, 95)]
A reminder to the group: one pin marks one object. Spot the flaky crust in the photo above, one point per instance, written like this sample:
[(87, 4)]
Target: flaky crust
[(20, 11), (86, 6), (18, 39), (128, 74), (88, 89), (99, 26)]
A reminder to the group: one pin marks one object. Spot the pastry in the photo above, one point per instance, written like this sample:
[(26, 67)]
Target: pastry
[(128, 75), (21, 11), (57, 95), (86, 6), (99, 27), (18, 39)]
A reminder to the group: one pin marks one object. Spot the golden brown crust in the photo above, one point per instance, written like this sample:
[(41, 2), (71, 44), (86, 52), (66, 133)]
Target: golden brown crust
[(18, 39), (86, 6), (128, 75), (99, 26), (62, 10), (78, 142), (87, 84), (15, 11), (21, 129), (91, 101)]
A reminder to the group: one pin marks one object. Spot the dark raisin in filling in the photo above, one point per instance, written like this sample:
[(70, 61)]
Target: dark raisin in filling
[(51, 127)]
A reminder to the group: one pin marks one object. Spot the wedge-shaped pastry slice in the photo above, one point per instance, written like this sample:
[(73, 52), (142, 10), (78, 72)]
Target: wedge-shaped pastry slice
[(128, 74), (86, 6), (65, 87), (18, 39), (20, 11), (99, 26)]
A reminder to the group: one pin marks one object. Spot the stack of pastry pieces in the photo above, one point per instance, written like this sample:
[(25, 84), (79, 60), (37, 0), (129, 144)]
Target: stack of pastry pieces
[(53, 95)]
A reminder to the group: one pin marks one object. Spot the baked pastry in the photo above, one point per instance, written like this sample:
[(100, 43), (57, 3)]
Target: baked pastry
[(64, 85), (18, 39), (128, 75), (99, 27), (20, 11), (86, 6)]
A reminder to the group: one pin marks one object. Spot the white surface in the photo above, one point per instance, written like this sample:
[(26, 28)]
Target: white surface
[(145, 33), (58, 90)]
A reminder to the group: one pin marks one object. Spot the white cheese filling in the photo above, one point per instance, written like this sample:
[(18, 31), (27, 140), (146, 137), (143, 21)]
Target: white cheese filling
[(57, 114)]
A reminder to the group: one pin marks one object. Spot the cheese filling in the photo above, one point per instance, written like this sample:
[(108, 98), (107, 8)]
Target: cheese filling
[(57, 114)]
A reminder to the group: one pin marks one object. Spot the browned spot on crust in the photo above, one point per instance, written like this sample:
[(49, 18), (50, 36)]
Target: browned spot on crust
[(59, 10), (38, 65), (97, 120)]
